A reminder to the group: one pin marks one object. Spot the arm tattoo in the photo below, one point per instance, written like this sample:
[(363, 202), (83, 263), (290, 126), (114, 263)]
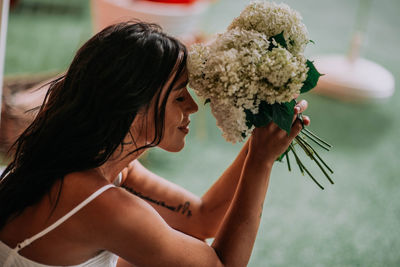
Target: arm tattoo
[(181, 208)]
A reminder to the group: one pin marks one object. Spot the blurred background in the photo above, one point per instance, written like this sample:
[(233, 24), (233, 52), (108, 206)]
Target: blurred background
[(355, 222)]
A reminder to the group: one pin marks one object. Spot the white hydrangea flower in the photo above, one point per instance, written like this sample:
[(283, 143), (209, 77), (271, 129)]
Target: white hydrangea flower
[(272, 19), (231, 120), (244, 66)]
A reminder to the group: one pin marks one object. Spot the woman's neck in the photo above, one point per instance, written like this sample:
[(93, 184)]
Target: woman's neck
[(112, 167)]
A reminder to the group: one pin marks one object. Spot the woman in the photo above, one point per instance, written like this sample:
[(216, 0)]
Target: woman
[(125, 92)]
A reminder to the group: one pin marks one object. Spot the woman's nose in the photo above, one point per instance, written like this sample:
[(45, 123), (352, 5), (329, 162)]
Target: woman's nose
[(192, 107)]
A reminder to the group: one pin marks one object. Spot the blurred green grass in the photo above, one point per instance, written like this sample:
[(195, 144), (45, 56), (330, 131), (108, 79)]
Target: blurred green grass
[(355, 222), (45, 39)]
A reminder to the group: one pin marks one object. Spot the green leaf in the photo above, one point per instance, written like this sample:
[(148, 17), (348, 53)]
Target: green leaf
[(311, 41), (264, 115), (262, 118), (207, 101), (249, 118), (279, 39), (312, 78), (283, 115)]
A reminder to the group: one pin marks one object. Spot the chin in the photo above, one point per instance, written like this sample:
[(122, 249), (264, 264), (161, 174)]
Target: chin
[(173, 147), (174, 150)]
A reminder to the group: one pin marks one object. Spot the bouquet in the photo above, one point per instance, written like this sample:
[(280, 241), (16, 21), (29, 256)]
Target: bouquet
[(251, 73)]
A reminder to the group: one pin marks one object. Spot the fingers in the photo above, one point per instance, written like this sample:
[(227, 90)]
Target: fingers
[(306, 120), (300, 107), (296, 128)]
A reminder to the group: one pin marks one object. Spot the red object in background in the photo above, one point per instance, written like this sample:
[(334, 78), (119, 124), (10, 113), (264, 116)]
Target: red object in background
[(13, 3), (174, 1)]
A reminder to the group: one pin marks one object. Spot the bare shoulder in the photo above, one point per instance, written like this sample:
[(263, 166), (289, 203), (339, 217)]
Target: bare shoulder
[(115, 210), (131, 228), (115, 220), (116, 205), (124, 224), (107, 210)]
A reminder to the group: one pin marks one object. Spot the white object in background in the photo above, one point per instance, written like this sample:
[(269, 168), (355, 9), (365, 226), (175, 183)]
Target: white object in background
[(353, 78), (5, 6), (179, 20), (358, 79)]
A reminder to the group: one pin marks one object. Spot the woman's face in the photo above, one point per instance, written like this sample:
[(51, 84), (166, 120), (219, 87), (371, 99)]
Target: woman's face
[(179, 106)]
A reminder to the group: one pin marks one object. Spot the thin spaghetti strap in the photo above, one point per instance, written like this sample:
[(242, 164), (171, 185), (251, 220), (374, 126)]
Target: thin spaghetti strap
[(28, 241)]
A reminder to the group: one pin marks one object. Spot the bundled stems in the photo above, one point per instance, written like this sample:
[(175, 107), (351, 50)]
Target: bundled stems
[(297, 159), (306, 147), (310, 152), (288, 161), (302, 167), (318, 156), (318, 141)]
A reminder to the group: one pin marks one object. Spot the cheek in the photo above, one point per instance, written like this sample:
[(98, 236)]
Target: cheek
[(173, 114), (171, 123)]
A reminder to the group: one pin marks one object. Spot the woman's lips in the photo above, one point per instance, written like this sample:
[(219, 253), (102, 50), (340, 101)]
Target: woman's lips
[(184, 128)]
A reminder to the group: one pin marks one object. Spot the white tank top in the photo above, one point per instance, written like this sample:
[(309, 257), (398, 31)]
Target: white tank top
[(10, 257)]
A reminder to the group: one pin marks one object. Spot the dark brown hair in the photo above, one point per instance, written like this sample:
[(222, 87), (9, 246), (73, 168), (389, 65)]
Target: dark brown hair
[(88, 112)]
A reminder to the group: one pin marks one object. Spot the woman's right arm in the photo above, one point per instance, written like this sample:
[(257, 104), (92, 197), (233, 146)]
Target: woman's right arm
[(137, 233), (235, 239)]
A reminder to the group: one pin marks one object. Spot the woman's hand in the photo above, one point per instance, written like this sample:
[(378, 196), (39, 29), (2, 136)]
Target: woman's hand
[(300, 108), (269, 142)]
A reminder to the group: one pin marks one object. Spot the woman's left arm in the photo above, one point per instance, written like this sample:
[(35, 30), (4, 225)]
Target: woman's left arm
[(182, 210)]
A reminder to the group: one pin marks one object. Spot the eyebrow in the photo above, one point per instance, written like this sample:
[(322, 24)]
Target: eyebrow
[(181, 85)]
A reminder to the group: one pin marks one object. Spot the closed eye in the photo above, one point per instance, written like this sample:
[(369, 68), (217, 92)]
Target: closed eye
[(180, 99)]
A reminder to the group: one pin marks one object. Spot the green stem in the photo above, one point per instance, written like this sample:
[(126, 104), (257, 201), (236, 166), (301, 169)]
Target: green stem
[(316, 161), (297, 159), (306, 149), (315, 140), (303, 167), (317, 137), (318, 156), (287, 160)]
